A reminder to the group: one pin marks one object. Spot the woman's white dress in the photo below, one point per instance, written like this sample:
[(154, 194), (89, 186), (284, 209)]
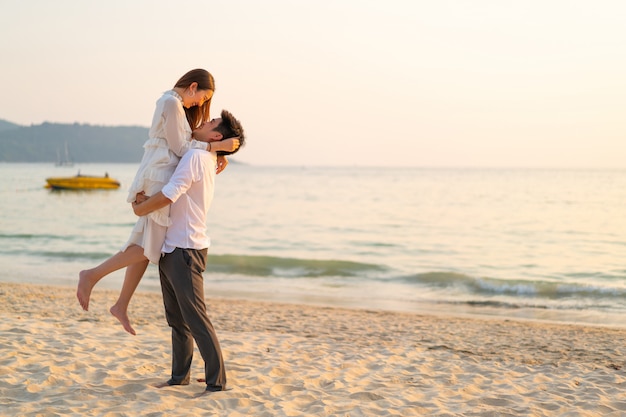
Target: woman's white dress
[(170, 138)]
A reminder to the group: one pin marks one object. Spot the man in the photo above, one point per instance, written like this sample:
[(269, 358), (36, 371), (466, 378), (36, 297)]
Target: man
[(190, 192)]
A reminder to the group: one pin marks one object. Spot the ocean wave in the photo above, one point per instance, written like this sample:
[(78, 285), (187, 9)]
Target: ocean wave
[(516, 288), (29, 236), (260, 266), (288, 267), (74, 256)]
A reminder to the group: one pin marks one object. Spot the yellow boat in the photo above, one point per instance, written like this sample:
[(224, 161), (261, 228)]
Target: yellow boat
[(82, 182)]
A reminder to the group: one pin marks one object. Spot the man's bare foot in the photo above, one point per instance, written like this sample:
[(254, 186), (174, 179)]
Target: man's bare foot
[(122, 317), (86, 282)]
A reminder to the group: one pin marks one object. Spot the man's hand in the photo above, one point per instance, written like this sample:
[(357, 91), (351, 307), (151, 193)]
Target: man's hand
[(141, 197), (144, 205), (222, 161), (136, 208)]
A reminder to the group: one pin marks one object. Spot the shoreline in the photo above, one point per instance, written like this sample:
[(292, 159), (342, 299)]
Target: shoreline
[(296, 359), (218, 290)]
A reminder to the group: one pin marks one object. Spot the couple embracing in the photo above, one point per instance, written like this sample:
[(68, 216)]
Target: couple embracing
[(171, 194)]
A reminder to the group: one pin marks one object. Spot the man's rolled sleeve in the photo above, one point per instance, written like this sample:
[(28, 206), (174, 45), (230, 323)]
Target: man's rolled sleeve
[(181, 179)]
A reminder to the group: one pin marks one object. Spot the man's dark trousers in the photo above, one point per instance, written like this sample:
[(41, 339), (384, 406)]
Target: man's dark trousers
[(182, 285)]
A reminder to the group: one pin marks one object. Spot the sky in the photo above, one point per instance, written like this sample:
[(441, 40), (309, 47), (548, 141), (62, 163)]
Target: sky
[(446, 83)]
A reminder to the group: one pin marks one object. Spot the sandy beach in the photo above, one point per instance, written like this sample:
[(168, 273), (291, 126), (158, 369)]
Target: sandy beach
[(294, 360)]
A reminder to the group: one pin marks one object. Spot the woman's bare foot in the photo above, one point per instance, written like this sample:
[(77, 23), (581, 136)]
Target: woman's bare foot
[(86, 282), (121, 315)]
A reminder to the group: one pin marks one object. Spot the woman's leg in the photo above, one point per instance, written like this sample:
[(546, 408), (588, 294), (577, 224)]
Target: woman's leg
[(88, 278), (134, 273)]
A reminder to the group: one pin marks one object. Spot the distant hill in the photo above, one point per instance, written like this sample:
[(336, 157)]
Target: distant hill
[(47, 142), (4, 125)]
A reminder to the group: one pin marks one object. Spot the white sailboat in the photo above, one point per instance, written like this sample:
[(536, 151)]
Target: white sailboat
[(66, 159)]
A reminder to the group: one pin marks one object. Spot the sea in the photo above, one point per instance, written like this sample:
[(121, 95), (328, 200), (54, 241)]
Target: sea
[(529, 244)]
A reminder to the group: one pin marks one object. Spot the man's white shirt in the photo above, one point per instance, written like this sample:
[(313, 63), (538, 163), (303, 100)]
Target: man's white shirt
[(191, 190)]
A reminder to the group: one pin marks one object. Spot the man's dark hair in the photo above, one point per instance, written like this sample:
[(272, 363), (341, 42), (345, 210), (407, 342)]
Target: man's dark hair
[(230, 128)]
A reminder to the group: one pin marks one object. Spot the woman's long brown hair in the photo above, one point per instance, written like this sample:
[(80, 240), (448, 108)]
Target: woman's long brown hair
[(196, 115)]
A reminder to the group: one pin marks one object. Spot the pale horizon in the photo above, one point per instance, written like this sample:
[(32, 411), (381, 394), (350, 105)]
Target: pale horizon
[(339, 83)]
